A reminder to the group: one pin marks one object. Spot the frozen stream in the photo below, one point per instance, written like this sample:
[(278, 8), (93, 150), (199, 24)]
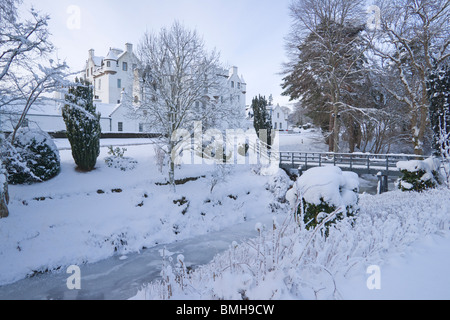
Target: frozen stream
[(116, 279)]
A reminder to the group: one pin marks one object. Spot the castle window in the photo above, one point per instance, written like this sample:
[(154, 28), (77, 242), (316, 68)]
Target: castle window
[(108, 64), (141, 127), (125, 66), (119, 83), (232, 84), (120, 126), (239, 85)]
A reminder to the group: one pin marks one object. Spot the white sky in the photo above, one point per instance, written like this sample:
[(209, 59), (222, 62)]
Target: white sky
[(248, 33)]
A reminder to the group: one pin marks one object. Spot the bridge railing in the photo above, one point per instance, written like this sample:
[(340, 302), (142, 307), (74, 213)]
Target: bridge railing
[(361, 162)]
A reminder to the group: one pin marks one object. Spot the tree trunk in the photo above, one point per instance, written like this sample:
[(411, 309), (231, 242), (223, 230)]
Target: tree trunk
[(331, 137), (419, 126), (336, 129), (172, 165), (4, 201)]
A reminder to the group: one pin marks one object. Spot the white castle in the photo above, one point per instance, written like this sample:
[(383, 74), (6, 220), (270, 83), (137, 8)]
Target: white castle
[(118, 72), (111, 75)]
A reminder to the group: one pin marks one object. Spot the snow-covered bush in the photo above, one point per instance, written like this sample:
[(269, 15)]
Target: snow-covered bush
[(32, 157), (82, 124), (118, 161), (219, 175), (324, 191), (419, 175)]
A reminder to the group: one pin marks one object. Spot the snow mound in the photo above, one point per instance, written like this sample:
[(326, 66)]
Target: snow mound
[(329, 184), (419, 175), (27, 136), (429, 165)]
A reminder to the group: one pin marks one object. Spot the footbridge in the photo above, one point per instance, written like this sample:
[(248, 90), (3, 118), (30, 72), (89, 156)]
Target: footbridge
[(360, 163)]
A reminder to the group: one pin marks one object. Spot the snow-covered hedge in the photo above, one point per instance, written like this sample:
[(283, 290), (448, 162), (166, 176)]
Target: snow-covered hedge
[(124, 163), (419, 175), (323, 191), (32, 157)]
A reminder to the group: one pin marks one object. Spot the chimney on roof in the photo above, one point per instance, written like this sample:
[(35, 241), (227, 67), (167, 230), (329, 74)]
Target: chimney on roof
[(91, 53), (129, 47), (233, 70)]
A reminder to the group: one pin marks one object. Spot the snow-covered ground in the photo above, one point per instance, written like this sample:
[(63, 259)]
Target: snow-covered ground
[(310, 140), (80, 218), (397, 248)]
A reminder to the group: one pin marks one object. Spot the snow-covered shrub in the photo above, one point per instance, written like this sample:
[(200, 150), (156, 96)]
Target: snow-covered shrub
[(82, 124), (160, 157), (118, 161), (419, 175), (219, 175), (324, 191), (32, 157)]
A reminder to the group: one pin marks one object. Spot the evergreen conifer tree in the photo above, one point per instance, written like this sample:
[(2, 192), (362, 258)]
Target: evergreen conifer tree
[(83, 125), (261, 118), (439, 95)]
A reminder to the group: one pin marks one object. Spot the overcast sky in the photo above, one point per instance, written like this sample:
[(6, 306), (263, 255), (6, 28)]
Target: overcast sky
[(248, 33)]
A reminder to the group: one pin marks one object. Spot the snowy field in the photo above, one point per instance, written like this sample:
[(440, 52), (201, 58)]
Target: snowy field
[(80, 218)]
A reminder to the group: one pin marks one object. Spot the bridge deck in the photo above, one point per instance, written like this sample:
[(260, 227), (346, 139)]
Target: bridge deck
[(357, 162)]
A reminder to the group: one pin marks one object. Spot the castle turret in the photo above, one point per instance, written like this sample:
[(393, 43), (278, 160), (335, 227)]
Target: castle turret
[(110, 62)]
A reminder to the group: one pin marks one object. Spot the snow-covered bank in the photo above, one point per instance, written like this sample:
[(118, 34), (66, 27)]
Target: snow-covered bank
[(420, 272), (288, 263), (79, 218)]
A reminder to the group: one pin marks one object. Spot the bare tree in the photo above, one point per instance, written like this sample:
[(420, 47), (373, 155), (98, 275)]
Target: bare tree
[(414, 35), (181, 84), (326, 53), (26, 70)]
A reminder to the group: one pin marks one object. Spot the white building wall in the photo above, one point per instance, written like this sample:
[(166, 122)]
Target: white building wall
[(98, 71), (129, 124), (279, 119)]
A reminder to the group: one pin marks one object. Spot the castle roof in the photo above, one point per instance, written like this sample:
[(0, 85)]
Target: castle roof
[(111, 55)]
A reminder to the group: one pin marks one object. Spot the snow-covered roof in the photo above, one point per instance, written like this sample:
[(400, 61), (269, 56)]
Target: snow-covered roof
[(121, 55), (53, 108), (285, 110), (111, 55), (97, 60), (106, 109), (50, 108)]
